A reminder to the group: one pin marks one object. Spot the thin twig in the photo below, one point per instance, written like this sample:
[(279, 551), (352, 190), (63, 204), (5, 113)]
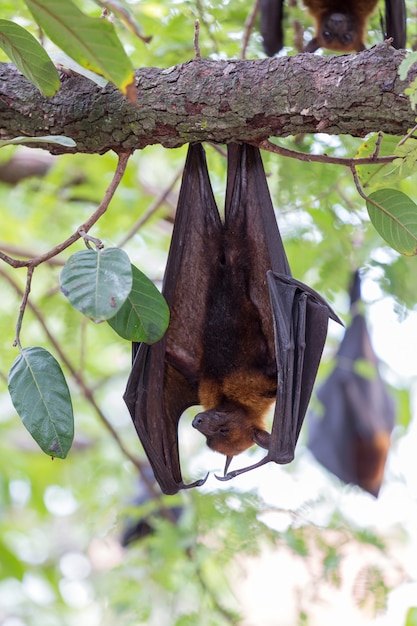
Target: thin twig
[(250, 20), (298, 29), (101, 209), (22, 252), (321, 158), (23, 305), (204, 22), (377, 145), (218, 149), (152, 209), (196, 38), (358, 184), (407, 136), (125, 16), (88, 238)]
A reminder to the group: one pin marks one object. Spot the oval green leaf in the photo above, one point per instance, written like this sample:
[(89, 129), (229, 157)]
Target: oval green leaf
[(29, 57), (91, 41), (145, 314), (41, 397), (97, 283), (395, 219)]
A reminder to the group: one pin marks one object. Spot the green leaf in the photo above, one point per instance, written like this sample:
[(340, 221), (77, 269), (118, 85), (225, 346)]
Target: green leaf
[(406, 64), (145, 314), (29, 57), (411, 92), (61, 140), (60, 58), (411, 619), (97, 283), (381, 174), (395, 219), (41, 397), (91, 41)]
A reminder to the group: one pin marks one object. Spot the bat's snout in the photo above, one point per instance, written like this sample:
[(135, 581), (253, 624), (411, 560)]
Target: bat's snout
[(201, 423), (210, 423), (197, 421)]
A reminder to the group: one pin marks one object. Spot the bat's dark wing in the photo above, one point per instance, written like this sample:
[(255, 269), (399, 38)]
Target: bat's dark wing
[(396, 22), (351, 436), (248, 201), (272, 13), (301, 317), (294, 317), (164, 377)]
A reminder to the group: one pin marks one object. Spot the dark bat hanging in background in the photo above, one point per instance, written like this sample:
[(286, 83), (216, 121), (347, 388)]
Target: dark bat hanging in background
[(242, 332), (352, 436), (340, 25)]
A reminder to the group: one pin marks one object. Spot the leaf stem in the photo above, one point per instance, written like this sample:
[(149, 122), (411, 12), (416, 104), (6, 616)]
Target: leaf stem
[(23, 305), (87, 238)]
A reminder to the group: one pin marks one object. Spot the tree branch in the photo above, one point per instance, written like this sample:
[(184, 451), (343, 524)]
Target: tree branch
[(219, 101)]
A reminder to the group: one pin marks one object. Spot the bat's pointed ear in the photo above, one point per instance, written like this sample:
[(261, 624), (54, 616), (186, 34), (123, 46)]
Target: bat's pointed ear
[(228, 461), (262, 438)]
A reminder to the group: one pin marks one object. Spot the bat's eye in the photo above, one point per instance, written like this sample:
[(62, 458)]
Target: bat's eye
[(346, 39), (224, 431)]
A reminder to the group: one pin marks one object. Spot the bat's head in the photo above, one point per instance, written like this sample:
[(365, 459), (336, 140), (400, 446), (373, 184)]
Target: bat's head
[(340, 32), (231, 430)]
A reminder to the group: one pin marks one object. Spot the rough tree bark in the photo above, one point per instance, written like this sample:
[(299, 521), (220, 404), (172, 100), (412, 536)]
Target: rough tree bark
[(218, 101)]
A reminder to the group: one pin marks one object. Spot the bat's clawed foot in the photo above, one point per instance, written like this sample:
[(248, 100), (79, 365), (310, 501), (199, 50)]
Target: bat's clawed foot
[(242, 470), (228, 476), (196, 483)]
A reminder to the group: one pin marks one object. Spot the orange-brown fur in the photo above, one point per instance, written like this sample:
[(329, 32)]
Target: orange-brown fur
[(354, 15), (371, 455), (242, 400), (251, 390)]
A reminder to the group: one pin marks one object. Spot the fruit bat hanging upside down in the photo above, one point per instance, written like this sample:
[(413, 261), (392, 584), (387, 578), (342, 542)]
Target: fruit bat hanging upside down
[(243, 333), (340, 25)]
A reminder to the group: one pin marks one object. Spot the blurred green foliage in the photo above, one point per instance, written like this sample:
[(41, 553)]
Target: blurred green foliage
[(61, 561)]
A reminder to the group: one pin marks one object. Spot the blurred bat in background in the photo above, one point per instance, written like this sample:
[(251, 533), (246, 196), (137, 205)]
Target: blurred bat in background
[(352, 437), (340, 25)]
